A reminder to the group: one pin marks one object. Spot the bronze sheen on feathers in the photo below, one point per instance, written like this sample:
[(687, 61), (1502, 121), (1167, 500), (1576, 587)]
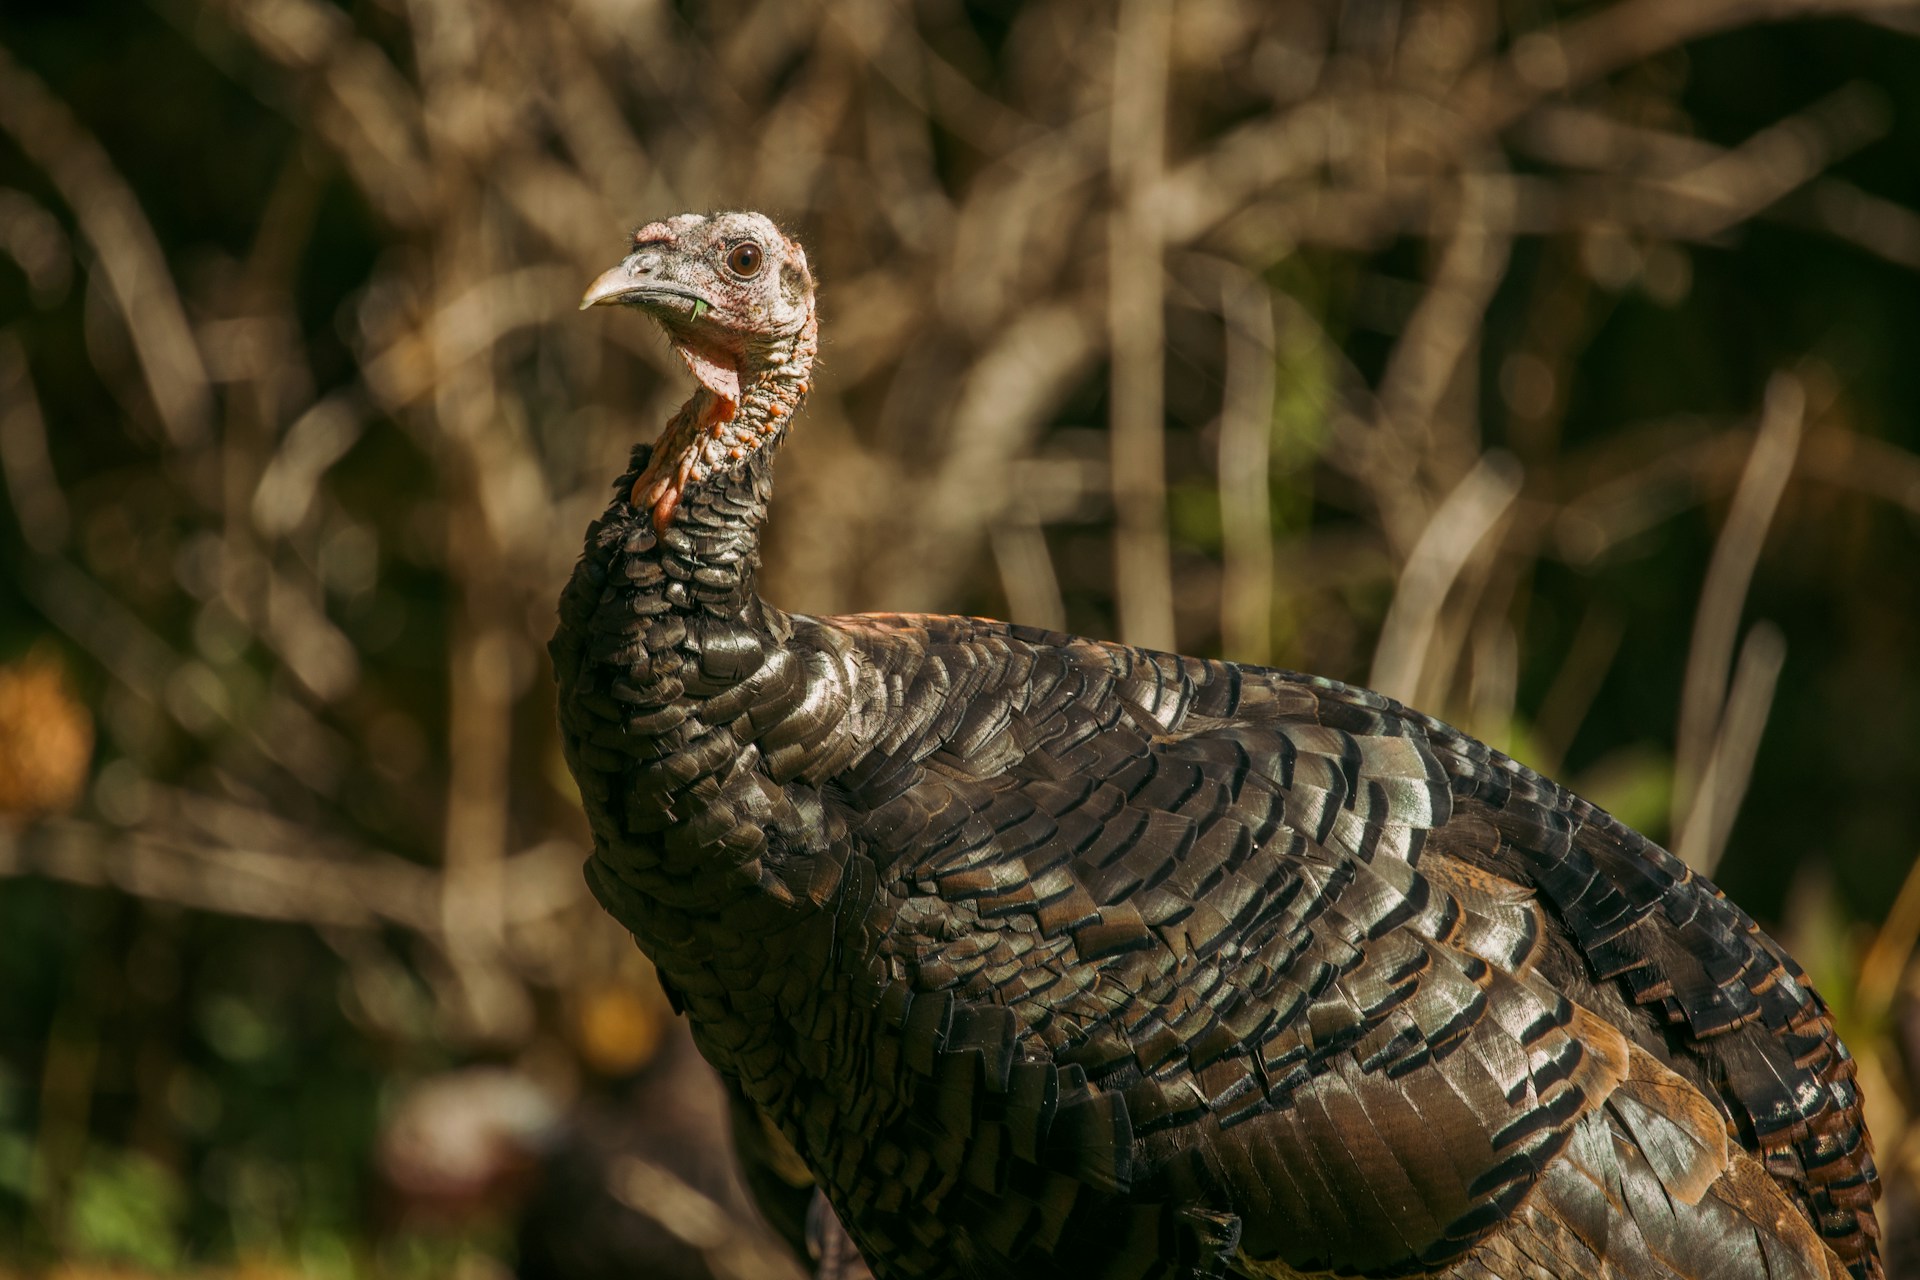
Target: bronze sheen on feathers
[(1056, 958)]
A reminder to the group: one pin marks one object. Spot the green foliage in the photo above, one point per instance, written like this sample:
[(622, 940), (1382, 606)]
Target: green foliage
[(127, 1208)]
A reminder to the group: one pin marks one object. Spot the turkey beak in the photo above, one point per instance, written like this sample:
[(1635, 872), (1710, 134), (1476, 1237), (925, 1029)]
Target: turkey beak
[(612, 286), (638, 280)]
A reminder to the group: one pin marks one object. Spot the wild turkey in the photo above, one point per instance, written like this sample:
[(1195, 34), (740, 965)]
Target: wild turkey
[(1059, 958)]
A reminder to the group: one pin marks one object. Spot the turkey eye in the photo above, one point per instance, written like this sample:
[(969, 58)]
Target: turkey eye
[(745, 259)]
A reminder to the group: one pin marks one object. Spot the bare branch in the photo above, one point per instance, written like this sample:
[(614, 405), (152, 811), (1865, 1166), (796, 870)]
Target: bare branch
[(1457, 530), (1027, 574), (1702, 842), (1143, 570), (1429, 358), (1007, 397), (129, 253), (335, 890), (1724, 592), (33, 486), (1246, 504)]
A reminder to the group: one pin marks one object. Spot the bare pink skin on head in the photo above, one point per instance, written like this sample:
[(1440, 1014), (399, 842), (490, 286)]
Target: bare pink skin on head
[(735, 297)]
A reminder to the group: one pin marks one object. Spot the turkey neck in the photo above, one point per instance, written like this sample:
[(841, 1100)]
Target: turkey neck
[(675, 680)]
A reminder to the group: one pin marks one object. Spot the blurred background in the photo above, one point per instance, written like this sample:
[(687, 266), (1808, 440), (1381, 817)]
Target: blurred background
[(1552, 366)]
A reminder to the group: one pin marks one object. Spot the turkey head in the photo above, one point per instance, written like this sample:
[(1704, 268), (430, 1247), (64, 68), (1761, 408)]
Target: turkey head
[(735, 297)]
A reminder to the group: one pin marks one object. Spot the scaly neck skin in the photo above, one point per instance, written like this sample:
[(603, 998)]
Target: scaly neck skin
[(714, 432)]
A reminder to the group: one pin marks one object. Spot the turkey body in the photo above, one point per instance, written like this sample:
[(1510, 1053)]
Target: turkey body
[(1059, 958)]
